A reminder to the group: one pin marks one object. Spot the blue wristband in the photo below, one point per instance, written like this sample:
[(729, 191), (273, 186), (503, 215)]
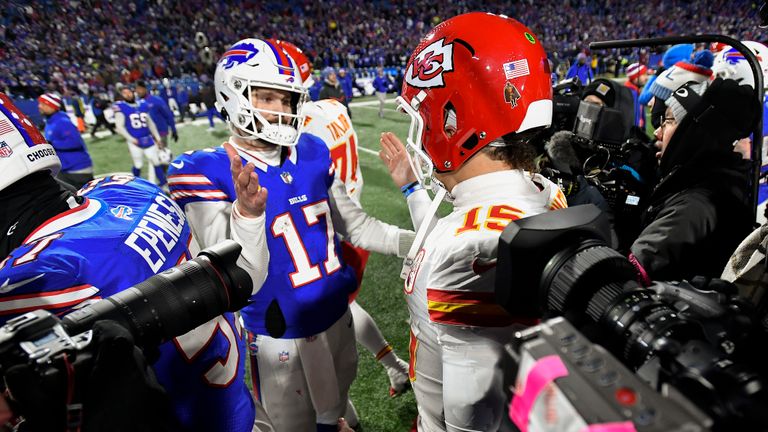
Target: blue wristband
[(411, 188)]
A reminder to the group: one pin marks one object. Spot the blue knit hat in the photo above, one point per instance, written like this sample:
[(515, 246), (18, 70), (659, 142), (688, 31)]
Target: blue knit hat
[(677, 53)]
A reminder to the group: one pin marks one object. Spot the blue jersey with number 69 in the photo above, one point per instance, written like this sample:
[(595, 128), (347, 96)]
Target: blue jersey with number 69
[(308, 282), (125, 231), (136, 121)]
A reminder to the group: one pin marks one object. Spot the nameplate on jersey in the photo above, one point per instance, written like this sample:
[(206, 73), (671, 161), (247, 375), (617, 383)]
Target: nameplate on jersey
[(158, 232)]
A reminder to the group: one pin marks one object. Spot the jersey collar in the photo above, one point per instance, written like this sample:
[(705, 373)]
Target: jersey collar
[(71, 217)]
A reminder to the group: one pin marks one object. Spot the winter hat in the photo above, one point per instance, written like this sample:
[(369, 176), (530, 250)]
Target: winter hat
[(674, 77), (50, 99), (601, 88), (685, 98), (677, 53), (635, 70), (704, 58)]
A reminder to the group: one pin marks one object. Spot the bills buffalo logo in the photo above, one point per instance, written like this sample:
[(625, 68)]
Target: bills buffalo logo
[(732, 56), (5, 150), (427, 68), (240, 53)]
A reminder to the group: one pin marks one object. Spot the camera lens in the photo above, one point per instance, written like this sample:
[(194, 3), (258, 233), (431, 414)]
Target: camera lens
[(171, 303)]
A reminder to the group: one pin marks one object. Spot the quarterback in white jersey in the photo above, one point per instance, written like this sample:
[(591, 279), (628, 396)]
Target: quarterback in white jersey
[(470, 122)]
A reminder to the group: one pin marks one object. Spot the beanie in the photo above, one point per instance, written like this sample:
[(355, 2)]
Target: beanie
[(50, 99), (685, 98), (635, 70), (677, 53), (674, 77)]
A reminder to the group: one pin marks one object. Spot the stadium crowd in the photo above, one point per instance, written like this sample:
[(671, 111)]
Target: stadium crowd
[(92, 44)]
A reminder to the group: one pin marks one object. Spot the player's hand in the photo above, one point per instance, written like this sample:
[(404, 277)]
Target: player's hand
[(251, 197), (395, 157), (134, 141), (344, 426), (175, 136)]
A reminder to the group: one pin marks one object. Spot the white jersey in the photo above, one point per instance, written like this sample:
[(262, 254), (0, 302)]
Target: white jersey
[(452, 278), (328, 120), (451, 296)]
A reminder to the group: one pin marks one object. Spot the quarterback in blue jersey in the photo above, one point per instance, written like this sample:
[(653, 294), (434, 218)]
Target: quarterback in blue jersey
[(58, 250), (303, 356), (133, 122)]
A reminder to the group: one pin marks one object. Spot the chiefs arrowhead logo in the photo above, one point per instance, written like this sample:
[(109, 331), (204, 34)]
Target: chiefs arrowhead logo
[(427, 68)]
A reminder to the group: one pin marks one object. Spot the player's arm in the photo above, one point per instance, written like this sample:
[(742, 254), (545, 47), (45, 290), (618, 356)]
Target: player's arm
[(363, 230), (121, 129), (153, 130)]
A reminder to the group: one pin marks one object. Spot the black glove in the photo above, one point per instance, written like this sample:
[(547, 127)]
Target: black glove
[(175, 136)]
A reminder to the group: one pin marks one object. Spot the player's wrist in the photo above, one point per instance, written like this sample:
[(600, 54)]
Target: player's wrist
[(410, 188)]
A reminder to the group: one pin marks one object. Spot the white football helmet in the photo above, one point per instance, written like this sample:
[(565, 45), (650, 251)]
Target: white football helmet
[(23, 149), (251, 64), (731, 64)]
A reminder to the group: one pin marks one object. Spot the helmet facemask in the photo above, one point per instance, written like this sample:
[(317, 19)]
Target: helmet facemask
[(251, 123)]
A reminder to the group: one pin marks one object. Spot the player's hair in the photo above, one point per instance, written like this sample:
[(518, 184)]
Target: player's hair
[(515, 150)]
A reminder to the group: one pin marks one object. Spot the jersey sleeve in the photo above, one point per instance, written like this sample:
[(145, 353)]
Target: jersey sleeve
[(35, 276), (198, 177), (362, 229)]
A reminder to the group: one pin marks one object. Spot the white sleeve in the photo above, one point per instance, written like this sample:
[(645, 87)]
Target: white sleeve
[(363, 230), (418, 205), (120, 126), (212, 222)]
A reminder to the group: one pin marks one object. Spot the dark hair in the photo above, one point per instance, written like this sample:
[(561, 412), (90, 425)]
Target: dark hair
[(518, 152)]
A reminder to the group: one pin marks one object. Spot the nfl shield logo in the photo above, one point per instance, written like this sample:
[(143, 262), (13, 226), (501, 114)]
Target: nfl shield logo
[(5, 150), (287, 177), (283, 356), (253, 348)]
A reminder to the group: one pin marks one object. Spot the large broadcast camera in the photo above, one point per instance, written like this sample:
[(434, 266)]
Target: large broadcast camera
[(600, 143), (672, 356), (164, 306)]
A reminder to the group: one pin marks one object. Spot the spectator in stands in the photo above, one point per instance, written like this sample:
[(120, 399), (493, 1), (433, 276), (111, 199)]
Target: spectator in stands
[(382, 85), (331, 87), (160, 112), (62, 134), (581, 69), (315, 86)]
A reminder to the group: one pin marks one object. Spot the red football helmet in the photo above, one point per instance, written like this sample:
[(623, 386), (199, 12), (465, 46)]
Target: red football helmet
[(298, 56), (471, 80)]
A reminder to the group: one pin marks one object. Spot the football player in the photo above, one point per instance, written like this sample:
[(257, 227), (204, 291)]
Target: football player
[(59, 249), (329, 120), (133, 122), (474, 100), (303, 352)]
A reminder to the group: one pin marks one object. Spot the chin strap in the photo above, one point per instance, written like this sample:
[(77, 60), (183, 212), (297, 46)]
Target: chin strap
[(421, 235)]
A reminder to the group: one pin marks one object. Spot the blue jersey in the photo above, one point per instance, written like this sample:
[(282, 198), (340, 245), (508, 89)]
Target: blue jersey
[(65, 138), (126, 231), (136, 116), (160, 113), (307, 278)]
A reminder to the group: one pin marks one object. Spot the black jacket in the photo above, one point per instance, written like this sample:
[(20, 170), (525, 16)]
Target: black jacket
[(331, 91), (700, 210)]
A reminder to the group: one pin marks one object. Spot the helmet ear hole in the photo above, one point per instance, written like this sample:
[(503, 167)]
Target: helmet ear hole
[(224, 114)]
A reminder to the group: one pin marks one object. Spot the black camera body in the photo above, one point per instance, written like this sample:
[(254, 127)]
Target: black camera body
[(162, 307), (699, 338)]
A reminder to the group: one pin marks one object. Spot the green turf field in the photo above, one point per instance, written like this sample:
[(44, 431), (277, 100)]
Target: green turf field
[(382, 294)]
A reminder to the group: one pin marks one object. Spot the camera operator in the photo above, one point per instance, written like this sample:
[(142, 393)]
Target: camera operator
[(63, 249), (699, 211), (474, 148)]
